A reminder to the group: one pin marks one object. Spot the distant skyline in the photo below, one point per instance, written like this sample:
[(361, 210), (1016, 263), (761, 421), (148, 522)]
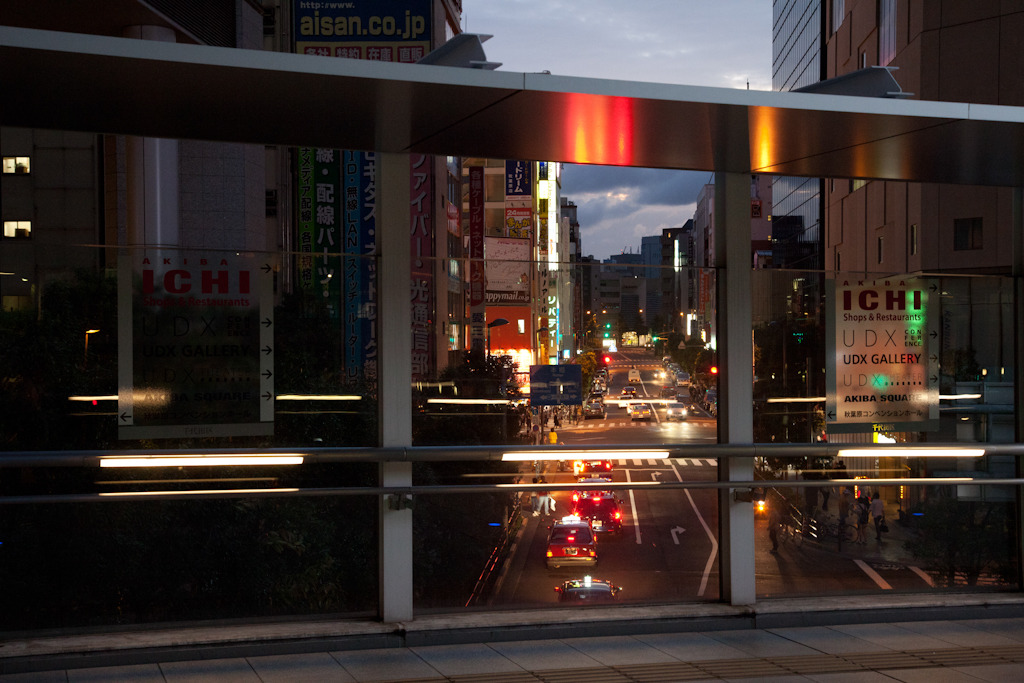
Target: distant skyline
[(723, 43)]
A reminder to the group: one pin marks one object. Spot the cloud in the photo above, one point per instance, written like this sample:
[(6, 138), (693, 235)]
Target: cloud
[(616, 207)]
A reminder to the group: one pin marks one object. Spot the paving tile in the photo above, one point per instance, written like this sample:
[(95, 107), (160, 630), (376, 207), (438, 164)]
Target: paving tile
[(463, 660), (957, 633), (135, 673), (893, 637), (234, 670), (56, 676), (315, 666), (826, 640), (618, 650), (931, 675), (692, 647), (384, 664), (1012, 628), (995, 673), (762, 643), (542, 655)]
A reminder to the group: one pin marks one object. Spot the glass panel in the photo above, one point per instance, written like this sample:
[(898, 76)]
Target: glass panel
[(914, 360)]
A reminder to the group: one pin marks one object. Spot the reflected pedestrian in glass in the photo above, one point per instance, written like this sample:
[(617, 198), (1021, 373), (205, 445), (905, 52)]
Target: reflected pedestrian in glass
[(877, 514)]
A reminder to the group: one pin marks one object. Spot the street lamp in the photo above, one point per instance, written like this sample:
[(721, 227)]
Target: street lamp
[(497, 322)]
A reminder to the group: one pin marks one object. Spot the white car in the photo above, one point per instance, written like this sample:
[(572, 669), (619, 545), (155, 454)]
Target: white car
[(677, 411), (634, 375), (641, 411)]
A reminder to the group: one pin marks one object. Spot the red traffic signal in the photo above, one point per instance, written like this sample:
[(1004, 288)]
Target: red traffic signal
[(607, 360)]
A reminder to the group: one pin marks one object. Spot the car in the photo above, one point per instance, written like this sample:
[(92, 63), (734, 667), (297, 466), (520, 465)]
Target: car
[(634, 375), (668, 392), (641, 411), (571, 542), (594, 409), (595, 398), (677, 411), (588, 468), (628, 392), (601, 508), (587, 590), (682, 379)]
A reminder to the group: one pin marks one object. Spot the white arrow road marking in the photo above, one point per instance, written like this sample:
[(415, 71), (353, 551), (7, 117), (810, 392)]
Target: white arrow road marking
[(676, 530), (711, 537)]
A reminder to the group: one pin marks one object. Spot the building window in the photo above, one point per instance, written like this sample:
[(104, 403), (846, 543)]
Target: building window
[(913, 239), (838, 268), (19, 229), (881, 246), (886, 31), (857, 184), (967, 233), (863, 60), (16, 165), (838, 14)]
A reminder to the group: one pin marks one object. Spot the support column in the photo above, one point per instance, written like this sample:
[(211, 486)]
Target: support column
[(394, 421), (735, 361), (1017, 271), (152, 174)]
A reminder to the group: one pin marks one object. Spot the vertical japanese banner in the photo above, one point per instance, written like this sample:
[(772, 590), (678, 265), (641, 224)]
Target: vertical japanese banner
[(477, 279), (353, 249), (304, 188), (384, 31), (327, 216), (518, 199), (422, 245), (368, 268)]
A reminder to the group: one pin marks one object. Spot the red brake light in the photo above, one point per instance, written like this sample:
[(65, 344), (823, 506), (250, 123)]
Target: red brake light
[(571, 539), (575, 497), (618, 515), (597, 499), (607, 465)]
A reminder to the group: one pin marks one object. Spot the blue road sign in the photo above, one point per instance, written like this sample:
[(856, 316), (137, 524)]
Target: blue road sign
[(556, 385)]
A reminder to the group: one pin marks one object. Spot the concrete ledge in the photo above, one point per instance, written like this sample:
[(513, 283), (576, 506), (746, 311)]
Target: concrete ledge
[(214, 641)]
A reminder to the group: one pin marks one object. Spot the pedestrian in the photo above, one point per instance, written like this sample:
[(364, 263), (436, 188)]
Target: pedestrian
[(538, 438), (534, 500), (558, 421), (553, 437), (862, 510), (878, 514), (845, 503), (774, 522)]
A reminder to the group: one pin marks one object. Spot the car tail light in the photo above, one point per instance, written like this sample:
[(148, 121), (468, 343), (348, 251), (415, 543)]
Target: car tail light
[(597, 499), (570, 539), (618, 515), (607, 465), (575, 497), (550, 554), (593, 552)]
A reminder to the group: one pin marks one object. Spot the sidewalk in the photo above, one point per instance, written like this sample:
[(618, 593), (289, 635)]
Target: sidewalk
[(978, 649)]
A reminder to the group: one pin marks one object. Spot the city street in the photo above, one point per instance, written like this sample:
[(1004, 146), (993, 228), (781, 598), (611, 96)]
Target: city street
[(668, 546)]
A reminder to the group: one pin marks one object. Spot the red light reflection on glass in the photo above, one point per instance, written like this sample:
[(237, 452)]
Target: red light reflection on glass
[(600, 129)]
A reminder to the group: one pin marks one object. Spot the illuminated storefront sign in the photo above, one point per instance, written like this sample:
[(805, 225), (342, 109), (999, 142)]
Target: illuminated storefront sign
[(881, 373)]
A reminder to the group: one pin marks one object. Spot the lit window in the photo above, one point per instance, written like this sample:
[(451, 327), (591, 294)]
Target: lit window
[(913, 239), (21, 229), (521, 326), (16, 165)]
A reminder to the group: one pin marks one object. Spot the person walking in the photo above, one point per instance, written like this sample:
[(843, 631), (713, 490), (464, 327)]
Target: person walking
[(878, 515), (862, 510), (774, 522)]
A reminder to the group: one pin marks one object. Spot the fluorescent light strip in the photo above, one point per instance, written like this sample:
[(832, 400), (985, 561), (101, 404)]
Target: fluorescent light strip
[(911, 453), (199, 460), (90, 399), (319, 397), (469, 401), (123, 494), (526, 456)]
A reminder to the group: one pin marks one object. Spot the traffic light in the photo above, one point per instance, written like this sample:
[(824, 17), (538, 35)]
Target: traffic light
[(606, 359)]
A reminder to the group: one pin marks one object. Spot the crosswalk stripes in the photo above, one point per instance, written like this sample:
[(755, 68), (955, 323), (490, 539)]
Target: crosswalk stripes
[(685, 462)]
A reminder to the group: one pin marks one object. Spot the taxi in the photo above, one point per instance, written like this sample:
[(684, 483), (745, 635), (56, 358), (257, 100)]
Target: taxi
[(588, 468), (601, 508), (571, 542), (587, 590), (640, 411)]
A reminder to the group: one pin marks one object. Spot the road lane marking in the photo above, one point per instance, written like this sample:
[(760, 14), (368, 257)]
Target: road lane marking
[(711, 537), (923, 575), (873, 575), (632, 505)]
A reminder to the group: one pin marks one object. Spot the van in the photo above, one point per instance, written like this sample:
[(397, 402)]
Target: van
[(634, 375)]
